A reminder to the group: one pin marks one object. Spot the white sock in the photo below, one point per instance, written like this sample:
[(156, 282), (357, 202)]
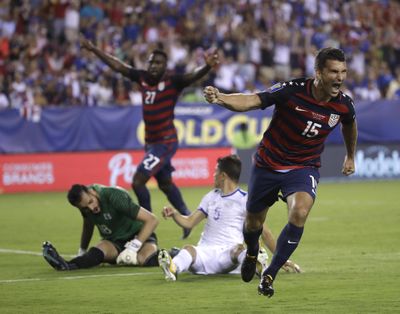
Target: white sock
[(182, 261)]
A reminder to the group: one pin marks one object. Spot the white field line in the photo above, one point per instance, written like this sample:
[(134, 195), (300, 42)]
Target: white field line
[(27, 252), (75, 277), (64, 277)]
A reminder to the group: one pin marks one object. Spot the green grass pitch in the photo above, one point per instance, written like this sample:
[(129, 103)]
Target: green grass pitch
[(350, 253)]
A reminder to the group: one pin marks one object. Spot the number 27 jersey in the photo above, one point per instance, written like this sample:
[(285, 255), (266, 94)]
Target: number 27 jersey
[(300, 125), (159, 102)]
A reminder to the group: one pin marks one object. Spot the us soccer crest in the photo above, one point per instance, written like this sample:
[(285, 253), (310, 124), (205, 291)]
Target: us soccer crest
[(161, 86), (333, 120)]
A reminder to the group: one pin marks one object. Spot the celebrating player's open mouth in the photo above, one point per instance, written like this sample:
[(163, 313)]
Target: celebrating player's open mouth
[(154, 72), (335, 89)]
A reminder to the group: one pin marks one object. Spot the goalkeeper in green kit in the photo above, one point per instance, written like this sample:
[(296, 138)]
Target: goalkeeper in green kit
[(126, 229)]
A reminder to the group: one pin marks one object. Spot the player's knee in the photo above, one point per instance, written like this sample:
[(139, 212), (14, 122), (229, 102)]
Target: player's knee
[(137, 183), (150, 260), (298, 215), (191, 250), (138, 180), (147, 254), (254, 221), (165, 186), (236, 251)]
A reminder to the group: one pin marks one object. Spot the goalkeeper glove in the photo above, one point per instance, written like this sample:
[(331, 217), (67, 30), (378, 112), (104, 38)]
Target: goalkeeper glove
[(129, 255)]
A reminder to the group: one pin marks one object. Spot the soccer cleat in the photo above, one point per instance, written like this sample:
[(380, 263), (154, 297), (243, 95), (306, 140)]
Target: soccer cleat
[(186, 233), (262, 262), (248, 268), (167, 265), (52, 257), (265, 286)]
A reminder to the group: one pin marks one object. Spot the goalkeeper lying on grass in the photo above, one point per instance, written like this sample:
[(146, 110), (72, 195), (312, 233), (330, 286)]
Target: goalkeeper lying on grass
[(127, 230)]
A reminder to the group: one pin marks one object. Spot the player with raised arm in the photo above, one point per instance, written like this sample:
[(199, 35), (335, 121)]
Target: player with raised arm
[(160, 92), (288, 157), (127, 230)]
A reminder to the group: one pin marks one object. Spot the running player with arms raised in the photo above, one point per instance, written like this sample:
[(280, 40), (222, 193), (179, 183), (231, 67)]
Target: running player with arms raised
[(160, 92), (288, 157)]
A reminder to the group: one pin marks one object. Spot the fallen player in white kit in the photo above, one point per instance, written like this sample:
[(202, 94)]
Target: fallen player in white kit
[(220, 249)]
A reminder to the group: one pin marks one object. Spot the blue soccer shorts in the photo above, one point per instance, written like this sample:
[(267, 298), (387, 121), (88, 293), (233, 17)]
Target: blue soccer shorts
[(265, 185), (157, 160)]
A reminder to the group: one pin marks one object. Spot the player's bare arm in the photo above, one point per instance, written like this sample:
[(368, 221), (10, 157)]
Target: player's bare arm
[(87, 233), (211, 59), (113, 62), (268, 239), (235, 102), (181, 220), (349, 132), (150, 223)]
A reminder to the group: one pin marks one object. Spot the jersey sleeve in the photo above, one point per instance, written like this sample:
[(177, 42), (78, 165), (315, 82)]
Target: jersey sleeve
[(134, 75), (122, 202), (203, 206), (351, 114), (274, 95), (179, 82)]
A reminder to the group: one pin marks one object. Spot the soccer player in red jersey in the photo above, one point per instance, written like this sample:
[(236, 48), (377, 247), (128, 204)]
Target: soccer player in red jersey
[(160, 92), (288, 156)]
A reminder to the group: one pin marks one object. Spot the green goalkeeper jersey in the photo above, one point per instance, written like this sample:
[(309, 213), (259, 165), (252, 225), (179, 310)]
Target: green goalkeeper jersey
[(117, 217)]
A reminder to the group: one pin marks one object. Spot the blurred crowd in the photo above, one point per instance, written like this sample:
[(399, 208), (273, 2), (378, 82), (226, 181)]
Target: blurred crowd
[(260, 42)]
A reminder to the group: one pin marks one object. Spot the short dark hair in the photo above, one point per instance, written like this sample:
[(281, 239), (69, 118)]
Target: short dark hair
[(329, 53), (160, 52), (231, 165), (75, 194)]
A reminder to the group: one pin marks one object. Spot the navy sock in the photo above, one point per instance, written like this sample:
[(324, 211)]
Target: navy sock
[(251, 239), (152, 260), (143, 196), (175, 197), (286, 244), (93, 257)]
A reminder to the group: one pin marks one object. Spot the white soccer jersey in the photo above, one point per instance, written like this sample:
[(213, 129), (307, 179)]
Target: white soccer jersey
[(225, 218)]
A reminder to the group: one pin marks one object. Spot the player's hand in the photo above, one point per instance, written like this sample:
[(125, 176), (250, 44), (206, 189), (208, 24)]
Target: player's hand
[(127, 257), (211, 57), (348, 166), (85, 43), (168, 211), (291, 267), (211, 94)]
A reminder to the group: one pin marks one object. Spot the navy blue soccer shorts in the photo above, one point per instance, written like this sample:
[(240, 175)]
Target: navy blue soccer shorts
[(265, 185), (157, 160)]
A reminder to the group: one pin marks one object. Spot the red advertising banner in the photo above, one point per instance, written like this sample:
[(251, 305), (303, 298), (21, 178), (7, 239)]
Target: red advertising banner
[(58, 171)]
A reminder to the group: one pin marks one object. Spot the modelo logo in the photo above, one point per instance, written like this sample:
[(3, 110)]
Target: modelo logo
[(377, 161)]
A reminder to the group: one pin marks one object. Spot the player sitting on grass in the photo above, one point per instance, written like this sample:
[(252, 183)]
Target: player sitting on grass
[(220, 249), (127, 230)]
